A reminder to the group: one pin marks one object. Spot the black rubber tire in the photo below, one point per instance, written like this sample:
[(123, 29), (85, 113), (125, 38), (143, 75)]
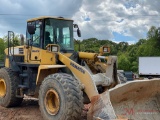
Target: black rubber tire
[(11, 79), (70, 96)]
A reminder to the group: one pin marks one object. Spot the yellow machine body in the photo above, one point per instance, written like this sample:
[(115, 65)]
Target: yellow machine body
[(39, 59)]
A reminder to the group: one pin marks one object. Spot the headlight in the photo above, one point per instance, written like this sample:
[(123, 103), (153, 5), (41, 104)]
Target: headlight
[(105, 49), (54, 48)]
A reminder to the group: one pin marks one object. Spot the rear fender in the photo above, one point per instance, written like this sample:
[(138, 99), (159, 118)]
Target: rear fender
[(45, 70)]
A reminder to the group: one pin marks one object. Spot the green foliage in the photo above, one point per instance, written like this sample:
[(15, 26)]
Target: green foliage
[(2, 47), (127, 54), (4, 44), (16, 40), (123, 62), (93, 44)]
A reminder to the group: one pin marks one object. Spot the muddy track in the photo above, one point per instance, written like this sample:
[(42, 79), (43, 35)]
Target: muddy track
[(29, 110)]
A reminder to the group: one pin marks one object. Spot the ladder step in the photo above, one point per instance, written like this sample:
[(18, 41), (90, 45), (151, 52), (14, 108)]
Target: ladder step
[(23, 75), (22, 86), (18, 96)]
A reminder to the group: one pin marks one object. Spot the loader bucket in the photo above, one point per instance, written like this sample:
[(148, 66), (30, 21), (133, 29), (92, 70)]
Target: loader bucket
[(101, 108), (137, 100)]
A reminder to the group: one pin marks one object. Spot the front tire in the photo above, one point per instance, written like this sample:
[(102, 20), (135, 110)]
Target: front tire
[(60, 98), (8, 86)]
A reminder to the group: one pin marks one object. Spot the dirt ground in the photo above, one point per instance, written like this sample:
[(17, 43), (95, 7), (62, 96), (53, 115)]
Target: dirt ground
[(29, 110)]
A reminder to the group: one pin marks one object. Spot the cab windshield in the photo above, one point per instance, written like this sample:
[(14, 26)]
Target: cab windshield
[(59, 32)]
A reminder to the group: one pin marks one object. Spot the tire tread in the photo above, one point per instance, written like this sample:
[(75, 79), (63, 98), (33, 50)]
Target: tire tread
[(73, 93)]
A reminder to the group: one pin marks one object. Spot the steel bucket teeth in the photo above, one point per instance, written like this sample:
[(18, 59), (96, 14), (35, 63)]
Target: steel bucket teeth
[(101, 108)]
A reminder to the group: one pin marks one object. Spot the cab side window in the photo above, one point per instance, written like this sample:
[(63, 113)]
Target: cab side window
[(66, 37), (36, 36), (28, 36), (48, 35)]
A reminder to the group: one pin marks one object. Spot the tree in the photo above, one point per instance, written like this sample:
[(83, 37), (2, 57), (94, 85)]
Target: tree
[(123, 46), (141, 41), (2, 47), (152, 32), (123, 62), (4, 44), (16, 40)]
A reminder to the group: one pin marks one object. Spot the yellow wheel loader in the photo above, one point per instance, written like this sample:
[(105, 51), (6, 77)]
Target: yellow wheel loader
[(48, 68)]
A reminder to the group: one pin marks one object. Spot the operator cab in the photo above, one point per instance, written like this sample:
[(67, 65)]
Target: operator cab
[(50, 30)]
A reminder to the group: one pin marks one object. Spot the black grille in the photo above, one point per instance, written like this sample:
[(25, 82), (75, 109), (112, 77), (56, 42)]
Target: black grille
[(21, 51)]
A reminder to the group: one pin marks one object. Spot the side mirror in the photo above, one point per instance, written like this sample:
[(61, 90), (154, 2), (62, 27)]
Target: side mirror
[(78, 32), (31, 29), (75, 25)]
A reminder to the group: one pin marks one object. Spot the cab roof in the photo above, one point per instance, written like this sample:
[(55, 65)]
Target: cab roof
[(45, 17)]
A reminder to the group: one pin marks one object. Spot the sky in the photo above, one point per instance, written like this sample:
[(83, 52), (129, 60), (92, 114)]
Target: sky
[(115, 20)]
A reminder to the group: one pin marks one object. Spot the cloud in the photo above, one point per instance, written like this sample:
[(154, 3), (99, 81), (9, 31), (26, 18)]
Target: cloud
[(127, 17), (16, 13), (96, 18)]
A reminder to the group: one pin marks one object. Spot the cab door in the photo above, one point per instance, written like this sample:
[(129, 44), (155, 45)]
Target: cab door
[(35, 43)]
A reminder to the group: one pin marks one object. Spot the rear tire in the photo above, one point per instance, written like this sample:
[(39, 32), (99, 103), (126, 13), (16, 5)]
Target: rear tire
[(60, 98), (8, 86)]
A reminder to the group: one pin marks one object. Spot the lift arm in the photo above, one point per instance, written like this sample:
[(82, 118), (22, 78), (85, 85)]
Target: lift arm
[(81, 74), (101, 107)]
